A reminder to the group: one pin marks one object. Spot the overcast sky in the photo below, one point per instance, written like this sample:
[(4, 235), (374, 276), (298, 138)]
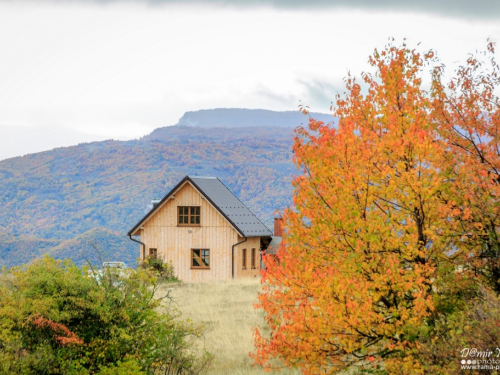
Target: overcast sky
[(77, 71)]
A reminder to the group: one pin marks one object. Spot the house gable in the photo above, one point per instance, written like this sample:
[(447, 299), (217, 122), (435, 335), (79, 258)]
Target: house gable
[(222, 199), (175, 243), (166, 213)]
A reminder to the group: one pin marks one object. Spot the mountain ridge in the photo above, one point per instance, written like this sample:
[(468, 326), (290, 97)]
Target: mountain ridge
[(244, 117)]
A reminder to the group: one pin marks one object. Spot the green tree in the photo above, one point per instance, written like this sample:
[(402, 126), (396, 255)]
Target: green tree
[(56, 318)]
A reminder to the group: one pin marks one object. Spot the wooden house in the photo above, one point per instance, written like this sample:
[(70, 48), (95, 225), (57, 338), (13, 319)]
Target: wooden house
[(205, 231)]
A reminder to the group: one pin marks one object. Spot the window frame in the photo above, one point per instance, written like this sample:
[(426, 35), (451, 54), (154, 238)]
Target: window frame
[(244, 259), (189, 216), (154, 251), (200, 258), (253, 259)]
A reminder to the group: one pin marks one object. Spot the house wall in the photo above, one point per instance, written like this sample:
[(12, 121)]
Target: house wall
[(174, 243), (251, 243)]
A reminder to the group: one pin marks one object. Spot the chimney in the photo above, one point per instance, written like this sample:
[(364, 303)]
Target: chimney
[(278, 226), (152, 205)]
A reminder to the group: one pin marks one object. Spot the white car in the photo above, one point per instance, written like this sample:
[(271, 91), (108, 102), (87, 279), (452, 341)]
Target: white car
[(115, 270), (114, 265)]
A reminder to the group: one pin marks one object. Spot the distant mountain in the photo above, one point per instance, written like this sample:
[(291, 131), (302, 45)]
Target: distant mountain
[(17, 141), (70, 201), (94, 246), (242, 118)]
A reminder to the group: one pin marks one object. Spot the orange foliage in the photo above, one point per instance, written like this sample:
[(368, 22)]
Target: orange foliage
[(468, 112), (59, 332), (372, 240)]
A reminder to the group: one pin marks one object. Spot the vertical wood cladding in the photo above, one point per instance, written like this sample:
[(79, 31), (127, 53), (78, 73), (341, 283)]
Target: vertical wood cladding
[(251, 243), (174, 243)]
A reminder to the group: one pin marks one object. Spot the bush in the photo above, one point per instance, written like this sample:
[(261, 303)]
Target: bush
[(459, 331), (56, 319), (161, 269)]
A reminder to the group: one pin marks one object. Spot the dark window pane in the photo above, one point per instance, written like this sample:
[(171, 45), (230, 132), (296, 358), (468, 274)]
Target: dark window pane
[(196, 258), (192, 220), (197, 220), (192, 210), (197, 210), (205, 257)]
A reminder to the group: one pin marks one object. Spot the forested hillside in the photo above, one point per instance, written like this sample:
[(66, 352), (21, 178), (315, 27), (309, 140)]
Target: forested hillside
[(71, 201)]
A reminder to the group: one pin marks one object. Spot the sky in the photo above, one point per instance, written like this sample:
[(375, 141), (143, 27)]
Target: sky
[(75, 71)]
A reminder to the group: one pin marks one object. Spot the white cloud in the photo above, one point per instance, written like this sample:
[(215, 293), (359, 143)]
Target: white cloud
[(22, 140), (123, 69)]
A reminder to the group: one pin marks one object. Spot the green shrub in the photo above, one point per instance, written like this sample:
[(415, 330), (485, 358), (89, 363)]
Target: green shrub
[(163, 270), (57, 319), (457, 325), (123, 368)]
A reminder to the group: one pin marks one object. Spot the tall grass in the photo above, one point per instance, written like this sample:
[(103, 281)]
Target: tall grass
[(226, 310)]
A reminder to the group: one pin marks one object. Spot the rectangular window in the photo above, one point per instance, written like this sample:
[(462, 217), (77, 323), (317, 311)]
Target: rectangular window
[(253, 259), (189, 215), (153, 253), (200, 258), (244, 257)]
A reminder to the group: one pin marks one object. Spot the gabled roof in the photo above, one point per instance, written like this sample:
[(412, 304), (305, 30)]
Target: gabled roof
[(229, 206)]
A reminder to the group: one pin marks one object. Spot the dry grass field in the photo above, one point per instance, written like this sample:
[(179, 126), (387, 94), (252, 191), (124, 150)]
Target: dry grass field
[(226, 310)]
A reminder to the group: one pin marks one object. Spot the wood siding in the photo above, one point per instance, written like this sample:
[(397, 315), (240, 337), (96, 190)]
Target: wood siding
[(174, 243), (251, 243)]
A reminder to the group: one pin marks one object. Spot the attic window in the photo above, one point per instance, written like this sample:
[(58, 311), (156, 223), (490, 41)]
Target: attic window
[(189, 215), (200, 258)]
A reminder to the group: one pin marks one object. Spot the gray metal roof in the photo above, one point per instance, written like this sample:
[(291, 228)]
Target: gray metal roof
[(230, 206), (273, 246)]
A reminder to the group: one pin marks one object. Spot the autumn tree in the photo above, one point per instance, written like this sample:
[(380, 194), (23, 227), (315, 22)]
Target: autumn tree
[(468, 112), (376, 241)]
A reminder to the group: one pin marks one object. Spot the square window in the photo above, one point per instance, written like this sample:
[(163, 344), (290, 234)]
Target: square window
[(189, 215), (153, 253), (200, 258)]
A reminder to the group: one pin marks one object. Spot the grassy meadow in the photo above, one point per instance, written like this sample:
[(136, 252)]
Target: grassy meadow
[(226, 310)]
